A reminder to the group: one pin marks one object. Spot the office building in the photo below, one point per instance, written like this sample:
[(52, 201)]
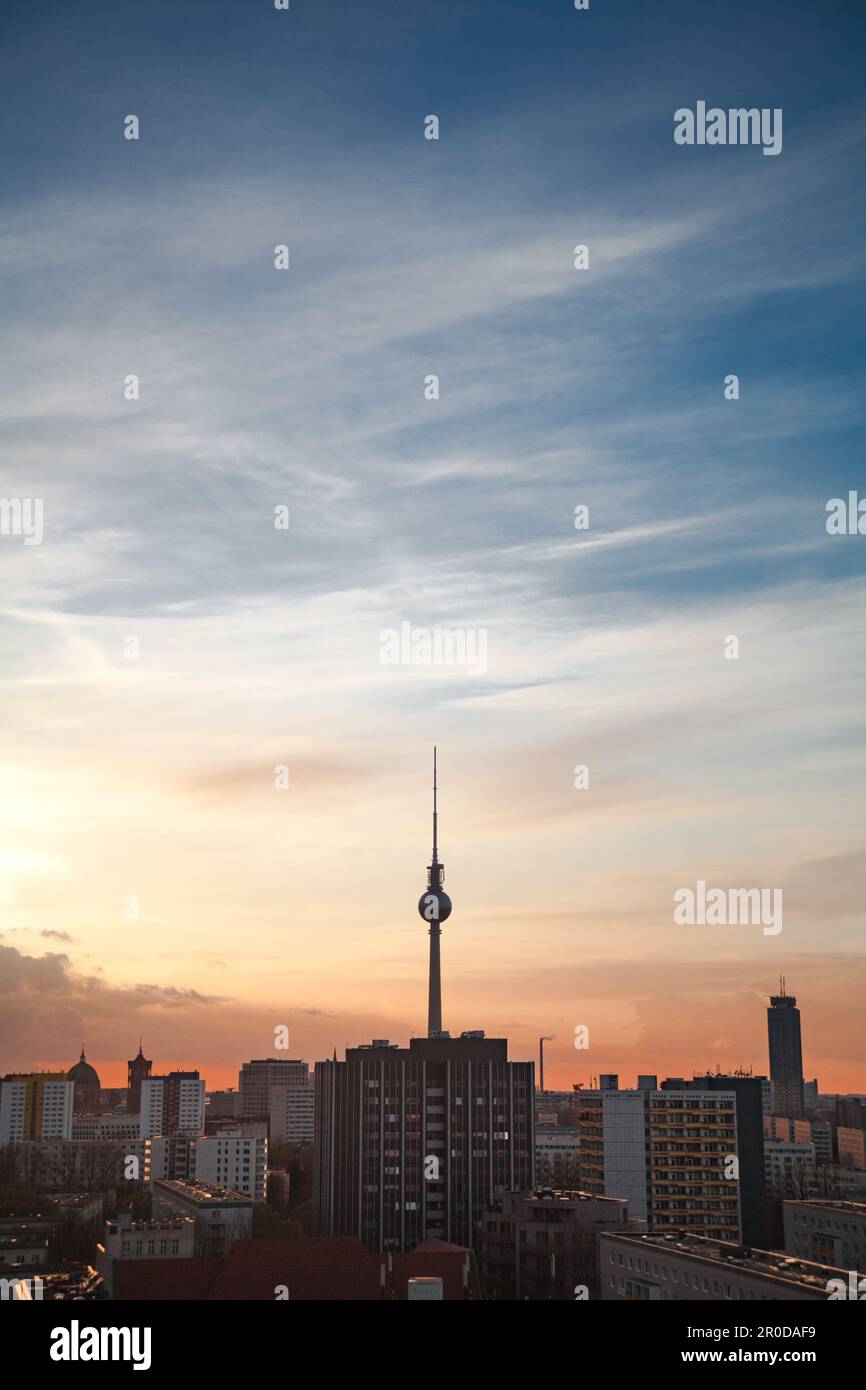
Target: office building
[(786, 1055), (415, 1143), (258, 1078)]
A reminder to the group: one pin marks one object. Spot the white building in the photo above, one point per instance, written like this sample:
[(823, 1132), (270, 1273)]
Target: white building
[(112, 1125), (173, 1104), (38, 1106), (293, 1113), (238, 1162)]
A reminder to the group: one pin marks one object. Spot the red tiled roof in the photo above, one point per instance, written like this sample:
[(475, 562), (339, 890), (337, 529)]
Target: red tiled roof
[(326, 1268), (169, 1279), (311, 1267)]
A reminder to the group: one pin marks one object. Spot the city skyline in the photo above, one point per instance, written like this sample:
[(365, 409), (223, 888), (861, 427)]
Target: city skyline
[(166, 648)]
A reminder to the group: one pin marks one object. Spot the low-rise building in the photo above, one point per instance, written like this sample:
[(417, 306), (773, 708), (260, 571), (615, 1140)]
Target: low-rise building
[(678, 1266), (166, 1238), (221, 1216), (544, 1244), (831, 1232)]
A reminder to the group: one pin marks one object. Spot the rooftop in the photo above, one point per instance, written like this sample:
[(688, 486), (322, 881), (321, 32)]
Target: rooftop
[(770, 1264), (202, 1193)]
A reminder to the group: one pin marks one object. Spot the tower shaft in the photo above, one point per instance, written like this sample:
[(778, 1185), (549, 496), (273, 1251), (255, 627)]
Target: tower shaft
[(434, 1006)]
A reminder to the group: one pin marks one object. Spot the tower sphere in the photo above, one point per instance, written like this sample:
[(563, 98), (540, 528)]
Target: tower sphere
[(434, 905)]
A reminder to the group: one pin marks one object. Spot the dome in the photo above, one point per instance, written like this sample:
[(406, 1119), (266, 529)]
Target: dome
[(83, 1074)]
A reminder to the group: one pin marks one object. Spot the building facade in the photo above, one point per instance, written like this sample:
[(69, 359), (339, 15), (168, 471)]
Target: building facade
[(221, 1217), (544, 1244), (786, 1055), (686, 1154), (293, 1113), (832, 1233), (258, 1078), (235, 1161), (36, 1106), (682, 1267), (172, 1104), (416, 1143)]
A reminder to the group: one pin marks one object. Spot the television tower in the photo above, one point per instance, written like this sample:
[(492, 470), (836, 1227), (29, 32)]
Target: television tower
[(435, 907)]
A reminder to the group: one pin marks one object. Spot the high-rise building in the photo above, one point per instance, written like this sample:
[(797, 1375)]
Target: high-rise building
[(686, 1154), (749, 1093), (37, 1105), (258, 1078), (172, 1104), (415, 1143), (786, 1055), (139, 1071), (293, 1113), (87, 1085), (236, 1161)]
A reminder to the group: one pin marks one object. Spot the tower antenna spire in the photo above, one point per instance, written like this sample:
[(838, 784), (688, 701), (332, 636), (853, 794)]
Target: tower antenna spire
[(435, 908), (435, 813)]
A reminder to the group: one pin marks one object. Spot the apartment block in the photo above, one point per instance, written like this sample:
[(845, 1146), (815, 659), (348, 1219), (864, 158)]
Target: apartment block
[(236, 1161), (38, 1105)]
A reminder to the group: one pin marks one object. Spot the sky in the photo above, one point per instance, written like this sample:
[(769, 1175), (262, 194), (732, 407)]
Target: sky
[(166, 647)]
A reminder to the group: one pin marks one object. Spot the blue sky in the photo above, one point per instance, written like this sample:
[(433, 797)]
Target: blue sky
[(558, 387)]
